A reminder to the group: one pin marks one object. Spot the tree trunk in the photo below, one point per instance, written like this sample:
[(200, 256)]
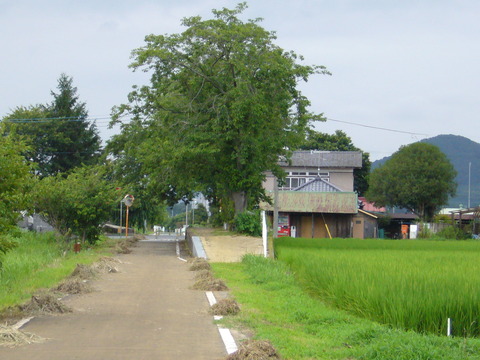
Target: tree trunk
[(240, 201)]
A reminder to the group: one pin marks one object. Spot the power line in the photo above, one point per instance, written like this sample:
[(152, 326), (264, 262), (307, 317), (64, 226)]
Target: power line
[(377, 127), (49, 119)]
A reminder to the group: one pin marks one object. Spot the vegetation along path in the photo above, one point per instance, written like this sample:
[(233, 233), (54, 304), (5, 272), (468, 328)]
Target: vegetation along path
[(145, 311)]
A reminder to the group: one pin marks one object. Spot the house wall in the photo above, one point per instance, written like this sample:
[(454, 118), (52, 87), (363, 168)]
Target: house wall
[(342, 178), (339, 225)]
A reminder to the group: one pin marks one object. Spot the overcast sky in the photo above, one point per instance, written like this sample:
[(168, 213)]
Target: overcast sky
[(408, 66)]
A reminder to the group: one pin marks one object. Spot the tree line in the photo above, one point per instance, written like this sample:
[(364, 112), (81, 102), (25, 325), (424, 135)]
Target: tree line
[(222, 105)]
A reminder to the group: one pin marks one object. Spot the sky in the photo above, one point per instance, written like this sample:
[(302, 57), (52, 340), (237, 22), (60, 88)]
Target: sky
[(402, 71)]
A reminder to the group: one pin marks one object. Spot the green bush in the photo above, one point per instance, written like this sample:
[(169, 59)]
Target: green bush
[(453, 233), (248, 222)]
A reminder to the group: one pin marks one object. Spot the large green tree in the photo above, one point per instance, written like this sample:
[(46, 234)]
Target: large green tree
[(339, 141), (16, 182), (221, 106), (418, 177), (59, 134), (77, 204)]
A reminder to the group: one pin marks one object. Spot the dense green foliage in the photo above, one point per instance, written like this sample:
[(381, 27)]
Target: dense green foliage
[(407, 284), (16, 182), (221, 106), (340, 142), (248, 222), (418, 177), (302, 327), (461, 152), (59, 135), (78, 204)]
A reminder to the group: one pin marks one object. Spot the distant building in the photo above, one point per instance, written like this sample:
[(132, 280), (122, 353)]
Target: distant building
[(317, 199)]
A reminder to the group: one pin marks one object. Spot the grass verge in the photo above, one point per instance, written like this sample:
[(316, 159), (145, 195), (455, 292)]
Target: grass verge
[(40, 262), (275, 308)]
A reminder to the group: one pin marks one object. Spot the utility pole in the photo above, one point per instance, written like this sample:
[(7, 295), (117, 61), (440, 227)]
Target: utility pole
[(275, 207), (469, 175)]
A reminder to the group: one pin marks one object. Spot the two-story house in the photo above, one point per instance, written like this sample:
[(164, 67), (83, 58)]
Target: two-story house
[(317, 199)]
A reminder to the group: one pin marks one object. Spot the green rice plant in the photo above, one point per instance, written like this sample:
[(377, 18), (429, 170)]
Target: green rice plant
[(415, 285), (302, 327)]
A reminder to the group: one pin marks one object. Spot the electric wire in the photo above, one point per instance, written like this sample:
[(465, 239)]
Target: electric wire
[(377, 127)]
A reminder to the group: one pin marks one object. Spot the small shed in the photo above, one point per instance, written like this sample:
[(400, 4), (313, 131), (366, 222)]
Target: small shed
[(365, 225)]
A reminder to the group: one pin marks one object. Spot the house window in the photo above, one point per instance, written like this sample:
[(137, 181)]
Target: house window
[(295, 179)]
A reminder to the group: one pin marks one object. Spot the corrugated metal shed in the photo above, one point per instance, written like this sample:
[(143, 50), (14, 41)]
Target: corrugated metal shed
[(317, 185), (314, 202), (325, 159)]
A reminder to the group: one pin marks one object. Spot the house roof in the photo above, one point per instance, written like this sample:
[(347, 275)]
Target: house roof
[(317, 185), (367, 213), (368, 206), (314, 202), (324, 159)]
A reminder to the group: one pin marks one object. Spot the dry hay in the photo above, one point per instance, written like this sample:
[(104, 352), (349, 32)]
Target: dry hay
[(106, 265), (254, 350), (122, 247), (205, 281), (84, 272), (199, 264), (74, 285), (225, 307), (12, 337), (45, 303)]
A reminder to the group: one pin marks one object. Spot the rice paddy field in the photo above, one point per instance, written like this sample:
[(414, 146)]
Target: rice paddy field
[(407, 284)]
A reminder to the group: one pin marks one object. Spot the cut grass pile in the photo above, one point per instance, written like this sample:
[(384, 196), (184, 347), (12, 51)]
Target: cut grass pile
[(299, 326), (408, 284), (225, 307), (12, 337), (206, 281), (254, 350)]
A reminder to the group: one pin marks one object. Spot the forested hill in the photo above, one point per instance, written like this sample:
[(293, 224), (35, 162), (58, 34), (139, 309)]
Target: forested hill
[(460, 151)]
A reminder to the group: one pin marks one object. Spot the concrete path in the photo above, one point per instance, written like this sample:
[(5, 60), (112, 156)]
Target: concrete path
[(146, 311)]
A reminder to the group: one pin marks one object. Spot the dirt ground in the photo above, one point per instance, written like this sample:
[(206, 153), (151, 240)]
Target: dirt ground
[(225, 247), (145, 311)]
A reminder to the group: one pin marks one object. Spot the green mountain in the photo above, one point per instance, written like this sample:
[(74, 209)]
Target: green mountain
[(464, 154)]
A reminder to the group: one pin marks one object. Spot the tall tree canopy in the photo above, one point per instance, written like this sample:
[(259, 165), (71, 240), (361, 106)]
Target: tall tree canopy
[(340, 142), (418, 177), (59, 134), (221, 106)]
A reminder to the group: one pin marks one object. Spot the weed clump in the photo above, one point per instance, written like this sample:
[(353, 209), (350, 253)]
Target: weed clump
[(45, 303), (204, 280), (84, 272), (199, 264), (254, 350), (74, 286), (123, 247), (225, 307), (106, 265)]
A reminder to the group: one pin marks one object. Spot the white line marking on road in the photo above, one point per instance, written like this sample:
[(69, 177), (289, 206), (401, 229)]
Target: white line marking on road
[(211, 298), (225, 334), (228, 340), (22, 322)]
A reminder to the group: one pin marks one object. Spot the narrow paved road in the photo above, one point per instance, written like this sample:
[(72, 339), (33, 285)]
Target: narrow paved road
[(145, 311)]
